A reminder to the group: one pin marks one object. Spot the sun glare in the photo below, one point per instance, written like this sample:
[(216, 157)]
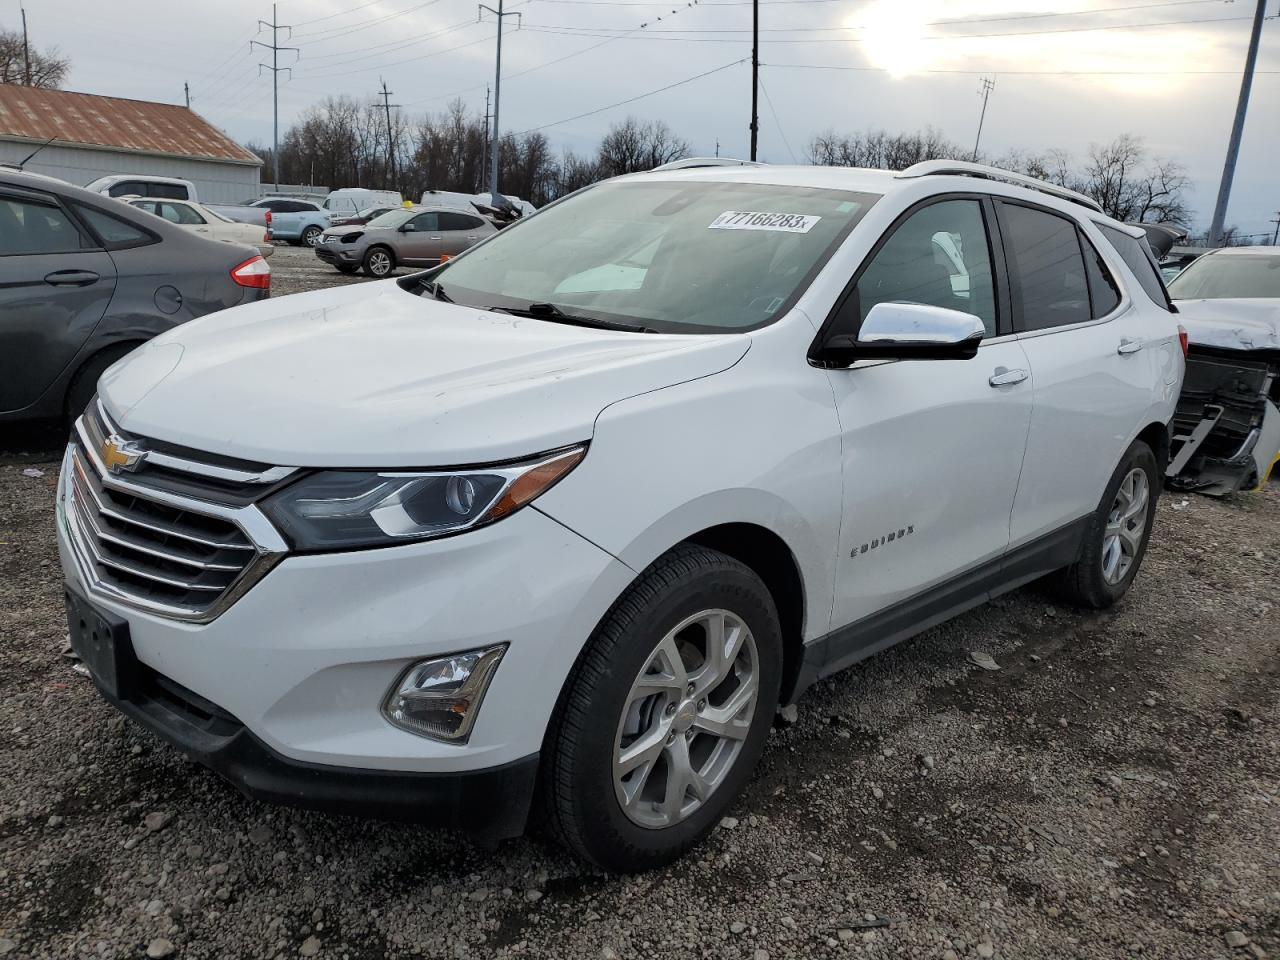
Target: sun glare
[(892, 35)]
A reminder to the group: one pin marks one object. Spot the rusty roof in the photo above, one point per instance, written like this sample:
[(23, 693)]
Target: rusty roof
[(137, 126)]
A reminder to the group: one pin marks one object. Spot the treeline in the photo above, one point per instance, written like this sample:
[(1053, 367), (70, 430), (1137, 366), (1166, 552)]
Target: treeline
[(342, 142)]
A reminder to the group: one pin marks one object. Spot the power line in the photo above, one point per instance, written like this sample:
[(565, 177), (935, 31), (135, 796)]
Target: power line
[(777, 123), (344, 31), (390, 46), (642, 96), (342, 13), (396, 63)]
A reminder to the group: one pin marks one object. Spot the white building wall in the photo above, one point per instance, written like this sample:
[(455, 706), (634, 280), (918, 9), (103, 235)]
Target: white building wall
[(216, 181)]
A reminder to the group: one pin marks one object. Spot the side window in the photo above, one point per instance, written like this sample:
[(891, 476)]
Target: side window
[(169, 191), (182, 214), (1104, 292), (457, 221), (31, 228), (126, 187), (1046, 268), (426, 222), (169, 211), (939, 256), (115, 233), (150, 206), (1136, 255)]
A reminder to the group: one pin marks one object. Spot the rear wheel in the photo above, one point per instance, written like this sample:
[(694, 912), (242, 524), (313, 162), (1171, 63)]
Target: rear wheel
[(379, 262), (1118, 533), (311, 236), (666, 712)]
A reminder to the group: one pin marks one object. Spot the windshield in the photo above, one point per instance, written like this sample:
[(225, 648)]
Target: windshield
[(676, 256), (392, 218), (1228, 276)]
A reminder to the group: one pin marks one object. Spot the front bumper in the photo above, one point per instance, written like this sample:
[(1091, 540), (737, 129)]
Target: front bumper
[(303, 660), (492, 803), (333, 253)]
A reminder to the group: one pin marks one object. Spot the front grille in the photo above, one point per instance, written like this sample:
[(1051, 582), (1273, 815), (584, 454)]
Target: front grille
[(179, 556)]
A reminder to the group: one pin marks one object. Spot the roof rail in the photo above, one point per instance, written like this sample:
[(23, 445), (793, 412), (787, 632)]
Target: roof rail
[(690, 163), (961, 168)]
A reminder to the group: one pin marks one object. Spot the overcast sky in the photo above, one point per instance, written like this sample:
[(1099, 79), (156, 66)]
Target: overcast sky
[(902, 65)]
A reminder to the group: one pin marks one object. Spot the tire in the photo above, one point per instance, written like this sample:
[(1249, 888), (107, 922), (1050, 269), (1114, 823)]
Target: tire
[(1092, 581), (311, 236), (85, 382), (379, 262), (601, 715)]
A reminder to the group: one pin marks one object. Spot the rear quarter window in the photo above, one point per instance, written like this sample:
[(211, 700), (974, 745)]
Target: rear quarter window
[(1137, 257)]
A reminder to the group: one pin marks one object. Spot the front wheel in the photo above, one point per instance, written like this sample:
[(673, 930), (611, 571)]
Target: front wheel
[(379, 262), (666, 712), (311, 236), (347, 268), (1117, 535)]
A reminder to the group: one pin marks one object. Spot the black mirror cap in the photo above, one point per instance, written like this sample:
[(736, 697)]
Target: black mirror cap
[(844, 349)]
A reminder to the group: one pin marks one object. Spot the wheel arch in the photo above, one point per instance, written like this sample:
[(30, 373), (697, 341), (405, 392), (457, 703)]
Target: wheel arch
[(1156, 436)]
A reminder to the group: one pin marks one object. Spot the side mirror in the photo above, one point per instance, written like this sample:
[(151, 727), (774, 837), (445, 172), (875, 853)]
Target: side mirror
[(908, 331), (408, 228)]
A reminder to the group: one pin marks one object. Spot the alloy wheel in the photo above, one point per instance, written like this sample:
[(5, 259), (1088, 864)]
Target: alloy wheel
[(1126, 525), (312, 237), (686, 718), (379, 263)]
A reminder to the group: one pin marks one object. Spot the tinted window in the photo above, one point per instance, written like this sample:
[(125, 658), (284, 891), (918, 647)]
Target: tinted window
[(126, 187), (426, 221), (939, 256), (1136, 255), (458, 221), (31, 228), (114, 232), (275, 206), (1046, 269), (1104, 292), (170, 191)]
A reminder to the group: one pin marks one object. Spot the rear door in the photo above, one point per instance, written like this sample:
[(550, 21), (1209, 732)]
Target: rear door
[(1083, 336), (458, 231), (55, 285)]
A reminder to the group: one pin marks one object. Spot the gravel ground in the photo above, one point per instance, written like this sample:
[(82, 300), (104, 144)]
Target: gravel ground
[(1112, 790)]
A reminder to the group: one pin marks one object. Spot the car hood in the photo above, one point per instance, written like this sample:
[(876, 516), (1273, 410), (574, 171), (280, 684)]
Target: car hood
[(371, 375), (1232, 324)]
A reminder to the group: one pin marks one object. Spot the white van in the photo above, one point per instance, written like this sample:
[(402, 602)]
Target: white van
[(349, 201), (129, 185)]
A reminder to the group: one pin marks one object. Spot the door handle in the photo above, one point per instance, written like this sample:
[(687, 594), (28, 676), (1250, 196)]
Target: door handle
[(437, 238), (71, 278), (1004, 377), (1128, 346)]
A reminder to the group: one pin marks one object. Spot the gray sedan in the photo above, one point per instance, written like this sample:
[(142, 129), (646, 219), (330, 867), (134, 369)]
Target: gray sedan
[(84, 279), (407, 236)]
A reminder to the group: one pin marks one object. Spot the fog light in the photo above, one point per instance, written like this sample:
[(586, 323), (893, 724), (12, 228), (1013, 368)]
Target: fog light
[(440, 697)]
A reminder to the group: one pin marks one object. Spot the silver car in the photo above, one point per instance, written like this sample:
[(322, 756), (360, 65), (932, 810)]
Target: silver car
[(407, 236)]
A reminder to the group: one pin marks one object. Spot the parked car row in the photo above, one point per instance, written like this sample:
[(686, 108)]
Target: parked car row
[(406, 236), (209, 223)]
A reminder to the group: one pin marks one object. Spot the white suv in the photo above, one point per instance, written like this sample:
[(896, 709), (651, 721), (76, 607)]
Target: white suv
[(572, 514)]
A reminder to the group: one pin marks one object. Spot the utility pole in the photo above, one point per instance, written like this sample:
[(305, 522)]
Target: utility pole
[(26, 49), (186, 92), (1275, 237), (1237, 128), (276, 69), (484, 153), (988, 84), (755, 75), (391, 147), (497, 95)]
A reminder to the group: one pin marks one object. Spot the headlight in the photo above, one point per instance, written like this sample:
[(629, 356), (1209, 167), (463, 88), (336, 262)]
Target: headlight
[(343, 509)]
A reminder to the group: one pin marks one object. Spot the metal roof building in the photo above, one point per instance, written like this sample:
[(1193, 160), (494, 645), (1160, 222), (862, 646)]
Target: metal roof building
[(96, 136)]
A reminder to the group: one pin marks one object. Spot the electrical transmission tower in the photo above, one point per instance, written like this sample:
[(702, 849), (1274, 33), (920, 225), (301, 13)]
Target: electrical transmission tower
[(276, 70)]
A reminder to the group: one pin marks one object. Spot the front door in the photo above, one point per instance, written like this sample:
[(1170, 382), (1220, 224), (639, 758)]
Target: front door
[(420, 241), (932, 449), (54, 288)]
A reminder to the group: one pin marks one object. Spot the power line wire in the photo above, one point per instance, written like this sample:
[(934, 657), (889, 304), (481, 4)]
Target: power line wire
[(344, 31), (342, 13), (776, 122)]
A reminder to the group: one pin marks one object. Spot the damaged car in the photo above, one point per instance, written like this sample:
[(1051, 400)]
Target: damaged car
[(1227, 426)]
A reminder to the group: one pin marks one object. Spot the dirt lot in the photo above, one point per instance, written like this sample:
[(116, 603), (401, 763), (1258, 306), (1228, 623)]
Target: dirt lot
[(1113, 790)]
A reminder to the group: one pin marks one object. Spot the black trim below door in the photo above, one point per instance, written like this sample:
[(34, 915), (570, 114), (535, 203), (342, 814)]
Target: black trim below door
[(863, 638)]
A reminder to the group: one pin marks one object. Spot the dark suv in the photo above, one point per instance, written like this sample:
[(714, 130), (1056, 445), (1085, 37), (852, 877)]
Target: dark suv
[(84, 279)]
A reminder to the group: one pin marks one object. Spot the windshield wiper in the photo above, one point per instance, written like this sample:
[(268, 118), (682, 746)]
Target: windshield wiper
[(553, 313), (433, 287)]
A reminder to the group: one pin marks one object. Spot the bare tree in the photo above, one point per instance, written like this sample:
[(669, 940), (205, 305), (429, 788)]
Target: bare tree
[(633, 146), (49, 68), (880, 150)]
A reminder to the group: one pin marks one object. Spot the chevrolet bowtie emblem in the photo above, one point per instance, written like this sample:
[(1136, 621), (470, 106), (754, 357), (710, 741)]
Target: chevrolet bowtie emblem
[(119, 454)]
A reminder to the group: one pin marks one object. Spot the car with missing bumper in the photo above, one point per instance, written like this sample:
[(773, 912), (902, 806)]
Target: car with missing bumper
[(575, 512), (1227, 428), (406, 236)]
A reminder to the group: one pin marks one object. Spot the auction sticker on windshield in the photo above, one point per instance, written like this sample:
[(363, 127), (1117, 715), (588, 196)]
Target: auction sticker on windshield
[(751, 220)]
